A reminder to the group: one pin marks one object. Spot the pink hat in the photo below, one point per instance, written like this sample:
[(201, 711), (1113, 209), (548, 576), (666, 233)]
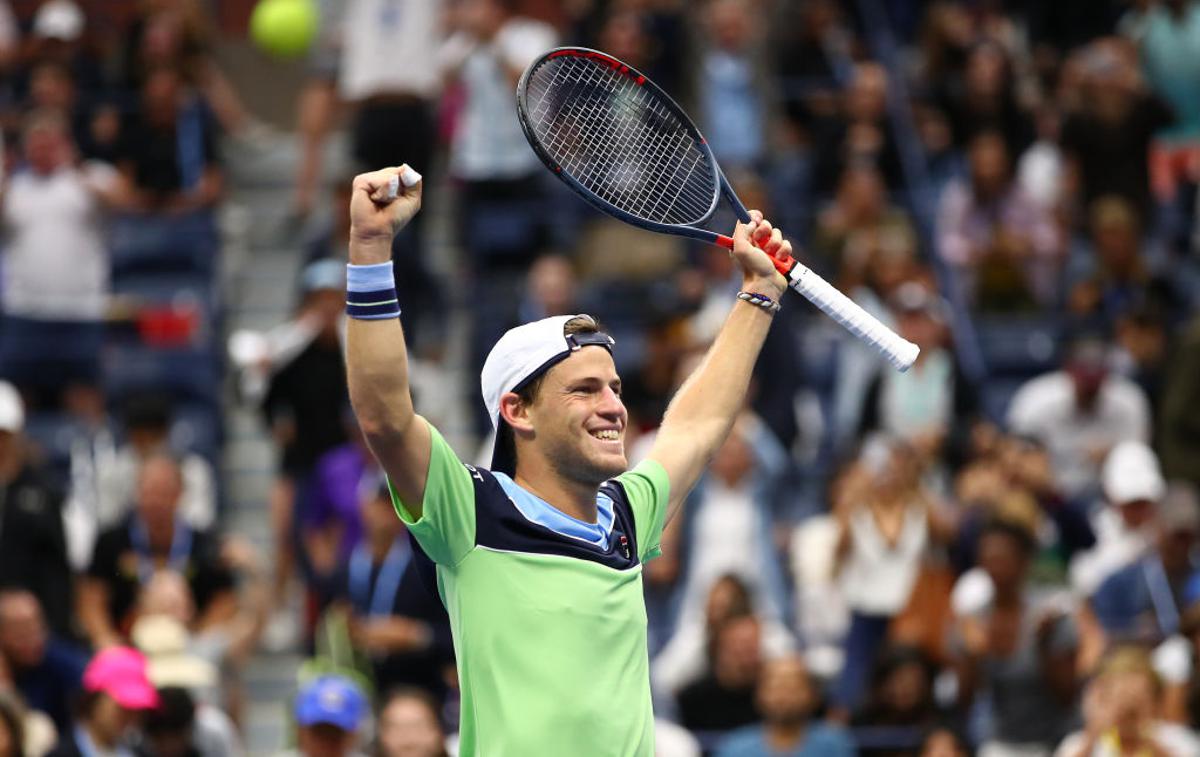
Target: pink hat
[(120, 672)]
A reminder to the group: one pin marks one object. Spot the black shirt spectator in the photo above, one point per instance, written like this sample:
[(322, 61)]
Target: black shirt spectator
[(33, 548), (1109, 138), (121, 559), (365, 583), (167, 149), (309, 397), (46, 670), (154, 537), (724, 698)]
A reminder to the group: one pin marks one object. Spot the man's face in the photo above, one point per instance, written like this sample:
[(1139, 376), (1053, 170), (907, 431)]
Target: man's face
[(325, 740), (785, 694), (579, 420), (159, 488), (408, 729), (22, 631)]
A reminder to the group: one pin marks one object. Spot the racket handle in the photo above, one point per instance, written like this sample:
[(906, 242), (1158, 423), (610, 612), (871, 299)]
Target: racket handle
[(900, 352)]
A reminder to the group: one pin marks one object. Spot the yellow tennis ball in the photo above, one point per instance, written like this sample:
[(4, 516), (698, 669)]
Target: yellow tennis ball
[(284, 28)]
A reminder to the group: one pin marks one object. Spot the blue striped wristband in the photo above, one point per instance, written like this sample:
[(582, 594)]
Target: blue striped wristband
[(371, 292)]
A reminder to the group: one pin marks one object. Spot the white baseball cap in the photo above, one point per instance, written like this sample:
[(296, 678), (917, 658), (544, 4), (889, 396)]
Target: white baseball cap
[(1131, 473), (59, 19), (12, 409), (520, 356)]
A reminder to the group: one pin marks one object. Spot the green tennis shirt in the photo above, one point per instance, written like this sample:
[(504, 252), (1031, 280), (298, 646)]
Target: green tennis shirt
[(547, 611)]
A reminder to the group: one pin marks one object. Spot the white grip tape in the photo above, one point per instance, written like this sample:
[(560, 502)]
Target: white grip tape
[(900, 352), (406, 175)]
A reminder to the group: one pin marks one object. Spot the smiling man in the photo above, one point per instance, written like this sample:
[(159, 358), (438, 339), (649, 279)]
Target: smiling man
[(539, 559)]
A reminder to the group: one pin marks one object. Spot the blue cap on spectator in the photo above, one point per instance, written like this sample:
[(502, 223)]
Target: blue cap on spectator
[(332, 700), (324, 274)]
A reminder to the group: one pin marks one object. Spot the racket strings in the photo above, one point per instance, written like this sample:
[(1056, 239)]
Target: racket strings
[(619, 141)]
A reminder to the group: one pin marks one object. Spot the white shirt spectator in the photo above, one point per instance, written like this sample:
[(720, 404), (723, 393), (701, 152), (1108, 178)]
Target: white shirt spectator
[(878, 578), (55, 261), (1174, 739), (389, 47), (1117, 545), (489, 144), (1045, 409)]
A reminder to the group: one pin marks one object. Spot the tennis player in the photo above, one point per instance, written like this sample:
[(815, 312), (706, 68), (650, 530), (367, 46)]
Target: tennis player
[(539, 559)]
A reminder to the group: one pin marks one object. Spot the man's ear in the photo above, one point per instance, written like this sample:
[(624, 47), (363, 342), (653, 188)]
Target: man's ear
[(515, 412)]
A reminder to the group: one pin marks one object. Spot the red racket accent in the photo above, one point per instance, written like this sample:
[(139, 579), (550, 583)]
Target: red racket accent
[(784, 264), (609, 61)]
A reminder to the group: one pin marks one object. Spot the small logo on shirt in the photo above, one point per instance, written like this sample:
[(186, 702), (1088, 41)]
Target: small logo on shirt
[(624, 543)]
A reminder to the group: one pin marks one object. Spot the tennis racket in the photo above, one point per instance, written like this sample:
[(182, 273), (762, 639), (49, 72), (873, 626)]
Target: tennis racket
[(627, 148)]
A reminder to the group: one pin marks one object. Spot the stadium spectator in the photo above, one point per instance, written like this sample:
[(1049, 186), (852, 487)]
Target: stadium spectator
[(859, 131), (1107, 141), (179, 727), (115, 693), (1121, 713), (732, 110), (855, 222), (1125, 527), (33, 550), (330, 711), (93, 125), (1143, 602), (395, 619), (56, 263), (727, 526), (985, 99), (1006, 248), (224, 647), (24, 728), (688, 654), (331, 503), (168, 154), (900, 707), (409, 725), (1178, 429), (376, 60), (787, 700), (886, 523), (944, 742), (1080, 413), (1165, 34), (45, 669), (923, 405), (59, 33), (179, 34), (306, 402), (1118, 275), (723, 699), (499, 177), (147, 426), (153, 537), (1018, 650)]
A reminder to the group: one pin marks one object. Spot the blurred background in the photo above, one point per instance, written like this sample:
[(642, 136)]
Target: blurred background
[(993, 554)]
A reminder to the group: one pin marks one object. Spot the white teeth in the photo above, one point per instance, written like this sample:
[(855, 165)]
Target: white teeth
[(607, 435)]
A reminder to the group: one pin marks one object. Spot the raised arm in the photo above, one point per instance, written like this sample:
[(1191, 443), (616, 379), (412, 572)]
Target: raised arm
[(376, 355), (703, 410)]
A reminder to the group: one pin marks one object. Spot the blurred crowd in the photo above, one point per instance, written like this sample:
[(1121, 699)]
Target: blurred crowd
[(994, 553)]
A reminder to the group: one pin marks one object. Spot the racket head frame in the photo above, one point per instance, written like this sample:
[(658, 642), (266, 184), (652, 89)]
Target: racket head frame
[(720, 184)]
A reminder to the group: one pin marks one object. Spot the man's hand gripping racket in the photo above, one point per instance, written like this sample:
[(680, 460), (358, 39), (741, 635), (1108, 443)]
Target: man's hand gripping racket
[(626, 147)]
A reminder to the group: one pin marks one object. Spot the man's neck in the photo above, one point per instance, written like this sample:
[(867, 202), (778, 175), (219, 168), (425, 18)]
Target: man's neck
[(575, 500), (783, 737)]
